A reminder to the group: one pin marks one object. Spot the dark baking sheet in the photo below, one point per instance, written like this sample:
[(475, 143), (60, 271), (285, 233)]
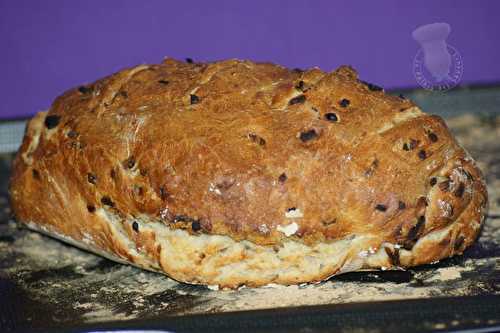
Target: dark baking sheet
[(457, 314), (48, 286)]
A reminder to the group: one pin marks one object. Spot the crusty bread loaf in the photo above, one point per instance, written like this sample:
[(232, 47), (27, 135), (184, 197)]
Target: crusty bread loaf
[(238, 173)]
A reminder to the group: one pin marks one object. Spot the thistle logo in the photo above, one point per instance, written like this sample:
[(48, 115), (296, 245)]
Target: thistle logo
[(437, 66)]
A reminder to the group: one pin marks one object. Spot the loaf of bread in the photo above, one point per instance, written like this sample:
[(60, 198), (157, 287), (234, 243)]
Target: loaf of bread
[(238, 173)]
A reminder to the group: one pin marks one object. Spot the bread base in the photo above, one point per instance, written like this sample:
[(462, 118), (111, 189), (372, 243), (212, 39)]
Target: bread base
[(221, 261)]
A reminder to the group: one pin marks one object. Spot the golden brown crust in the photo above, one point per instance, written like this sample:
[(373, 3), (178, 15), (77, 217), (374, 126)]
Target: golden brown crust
[(246, 150)]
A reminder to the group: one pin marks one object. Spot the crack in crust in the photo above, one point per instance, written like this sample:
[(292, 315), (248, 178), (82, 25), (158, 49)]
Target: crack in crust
[(111, 91)]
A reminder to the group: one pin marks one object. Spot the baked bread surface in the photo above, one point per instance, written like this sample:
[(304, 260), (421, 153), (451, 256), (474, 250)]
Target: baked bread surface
[(239, 173)]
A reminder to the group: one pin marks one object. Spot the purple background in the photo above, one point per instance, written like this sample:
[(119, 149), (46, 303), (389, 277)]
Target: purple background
[(50, 46)]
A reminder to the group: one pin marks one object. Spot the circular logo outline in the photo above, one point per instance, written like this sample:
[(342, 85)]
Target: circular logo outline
[(421, 74)]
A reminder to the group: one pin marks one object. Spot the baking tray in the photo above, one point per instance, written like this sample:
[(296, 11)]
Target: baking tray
[(48, 286)]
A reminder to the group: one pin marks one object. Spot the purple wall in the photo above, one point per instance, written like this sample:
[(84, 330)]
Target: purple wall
[(50, 46)]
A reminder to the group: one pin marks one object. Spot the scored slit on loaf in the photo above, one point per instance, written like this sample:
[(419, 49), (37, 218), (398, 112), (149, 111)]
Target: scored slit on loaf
[(238, 173)]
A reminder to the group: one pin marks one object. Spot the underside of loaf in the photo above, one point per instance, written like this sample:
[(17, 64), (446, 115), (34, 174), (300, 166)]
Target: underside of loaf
[(237, 173)]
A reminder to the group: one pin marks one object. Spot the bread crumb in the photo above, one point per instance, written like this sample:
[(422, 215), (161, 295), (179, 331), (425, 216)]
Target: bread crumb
[(294, 213), (263, 228), (164, 213), (363, 254), (213, 188), (288, 230)]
